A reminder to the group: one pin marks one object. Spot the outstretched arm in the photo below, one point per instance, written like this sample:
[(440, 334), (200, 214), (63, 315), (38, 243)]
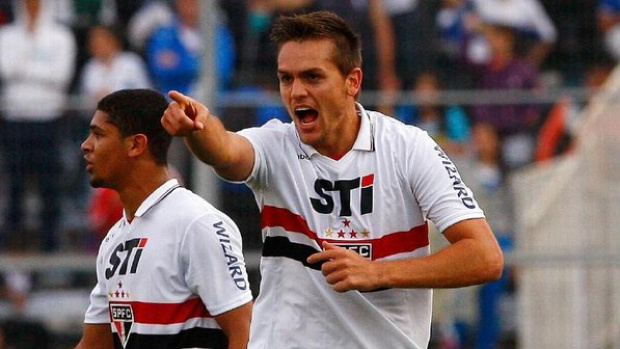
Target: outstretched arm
[(231, 155), (473, 257)]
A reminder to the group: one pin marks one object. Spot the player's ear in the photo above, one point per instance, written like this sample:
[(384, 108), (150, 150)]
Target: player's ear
[(138, 145), (354, 82)]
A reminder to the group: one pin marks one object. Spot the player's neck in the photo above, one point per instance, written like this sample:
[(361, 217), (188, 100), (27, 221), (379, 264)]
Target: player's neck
[(141, 187), (342, 139)]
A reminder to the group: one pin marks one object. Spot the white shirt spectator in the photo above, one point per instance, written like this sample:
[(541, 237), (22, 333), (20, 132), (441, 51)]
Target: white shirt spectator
[(36, 66), (524, 15)]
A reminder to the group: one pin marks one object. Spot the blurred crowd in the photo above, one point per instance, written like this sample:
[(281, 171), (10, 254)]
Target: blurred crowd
[(56, 51)]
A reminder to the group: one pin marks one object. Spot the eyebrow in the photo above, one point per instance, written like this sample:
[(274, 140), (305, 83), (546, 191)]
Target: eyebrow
[(95, 128), (302, 72)]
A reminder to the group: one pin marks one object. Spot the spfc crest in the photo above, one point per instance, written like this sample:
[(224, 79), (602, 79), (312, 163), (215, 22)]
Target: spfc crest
[(122, 320)]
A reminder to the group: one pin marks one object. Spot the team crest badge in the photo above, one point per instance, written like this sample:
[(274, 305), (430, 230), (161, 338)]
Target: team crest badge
[(122, 319)]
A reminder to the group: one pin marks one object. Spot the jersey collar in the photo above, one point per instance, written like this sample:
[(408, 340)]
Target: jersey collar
[(155, 197), (365, 136)]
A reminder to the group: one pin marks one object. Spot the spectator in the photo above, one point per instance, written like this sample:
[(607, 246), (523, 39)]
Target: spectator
[(414, 31), (80, 16), (456, 22), (608, 20), (110, 66), (15, 286), (249, 21), (448, 125), (535, 32), (174, 52), (515, 122), (151, 15), (37, 61)]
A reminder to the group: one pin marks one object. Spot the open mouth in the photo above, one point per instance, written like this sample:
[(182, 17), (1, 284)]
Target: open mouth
[(306, 116)]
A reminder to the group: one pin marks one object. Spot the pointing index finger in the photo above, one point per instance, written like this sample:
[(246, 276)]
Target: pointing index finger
[(185, 102), (329, 252)]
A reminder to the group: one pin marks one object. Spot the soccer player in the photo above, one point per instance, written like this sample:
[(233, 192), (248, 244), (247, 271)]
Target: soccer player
[(345, 194), (170, 273)]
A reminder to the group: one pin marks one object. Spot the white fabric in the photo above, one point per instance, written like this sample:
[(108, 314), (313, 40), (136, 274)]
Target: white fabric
[(187, 249), (395, 7), (528, 15), (611, 40), (409, 177), (149, 17), (36, 67), (127, 70)]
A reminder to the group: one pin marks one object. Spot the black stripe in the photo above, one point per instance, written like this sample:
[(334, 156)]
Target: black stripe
[(197, 337), (280, 246)]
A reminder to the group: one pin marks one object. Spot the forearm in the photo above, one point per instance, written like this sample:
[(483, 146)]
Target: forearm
[(208, 144), (230, 154), (465, 263)]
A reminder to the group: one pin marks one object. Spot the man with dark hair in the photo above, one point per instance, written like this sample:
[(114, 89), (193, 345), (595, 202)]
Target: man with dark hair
[(170, 272), (345, 194)]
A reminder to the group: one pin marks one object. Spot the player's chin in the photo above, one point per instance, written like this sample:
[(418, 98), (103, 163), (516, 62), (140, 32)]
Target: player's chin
[(96, 182), (309, 139), (307, 135)]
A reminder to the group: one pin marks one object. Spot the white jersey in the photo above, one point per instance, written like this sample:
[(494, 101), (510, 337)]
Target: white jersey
[(164, 276), (374, 200)]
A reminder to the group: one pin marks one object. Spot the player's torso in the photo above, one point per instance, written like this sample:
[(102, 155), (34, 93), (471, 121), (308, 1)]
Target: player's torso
[(150, 303), (363, 201)]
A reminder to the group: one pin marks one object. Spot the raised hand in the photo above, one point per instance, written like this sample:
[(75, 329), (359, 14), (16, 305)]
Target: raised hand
[(184, 115)]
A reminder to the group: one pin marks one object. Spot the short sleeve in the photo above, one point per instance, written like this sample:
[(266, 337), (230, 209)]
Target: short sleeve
[(216, 271), (438, 186), (264, 139)]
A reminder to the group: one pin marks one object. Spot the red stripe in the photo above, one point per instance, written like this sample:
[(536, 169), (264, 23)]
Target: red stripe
[(389, 244), (167, 313), (368, 180)]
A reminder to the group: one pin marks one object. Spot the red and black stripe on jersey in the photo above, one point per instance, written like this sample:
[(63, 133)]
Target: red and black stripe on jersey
[(281, 246)]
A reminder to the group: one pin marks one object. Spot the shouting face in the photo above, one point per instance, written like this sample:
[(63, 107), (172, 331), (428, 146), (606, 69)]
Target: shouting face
[(318, 96)]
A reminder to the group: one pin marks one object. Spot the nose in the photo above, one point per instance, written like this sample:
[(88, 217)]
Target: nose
[(85, 146), (298, 88)]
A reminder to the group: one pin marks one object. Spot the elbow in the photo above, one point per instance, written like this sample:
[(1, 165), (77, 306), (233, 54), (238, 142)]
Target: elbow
[(494, 265)]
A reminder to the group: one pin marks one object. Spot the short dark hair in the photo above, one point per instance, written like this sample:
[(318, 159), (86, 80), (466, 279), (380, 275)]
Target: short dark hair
[(321, 25), (139, 111)]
